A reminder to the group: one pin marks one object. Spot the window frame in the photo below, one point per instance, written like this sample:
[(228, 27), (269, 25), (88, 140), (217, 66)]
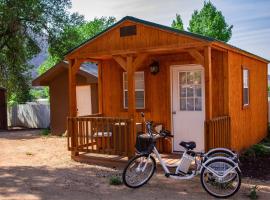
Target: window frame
[(136, 90), (245, 105)]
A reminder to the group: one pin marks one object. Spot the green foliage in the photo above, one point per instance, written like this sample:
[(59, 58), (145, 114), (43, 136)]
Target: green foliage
[(253, 192), (21, 23), (178, 23), (115, 180), (46, 132), (73, 36), (210, 22), (257, 150)]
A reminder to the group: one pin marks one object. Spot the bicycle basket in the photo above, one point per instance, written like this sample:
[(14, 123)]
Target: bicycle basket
[(144, 144)]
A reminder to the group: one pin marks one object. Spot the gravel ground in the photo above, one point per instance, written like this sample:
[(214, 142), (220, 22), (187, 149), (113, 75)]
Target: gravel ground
[(39, 167)]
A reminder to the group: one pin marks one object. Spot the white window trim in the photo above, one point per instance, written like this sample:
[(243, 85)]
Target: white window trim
[(139, 90)]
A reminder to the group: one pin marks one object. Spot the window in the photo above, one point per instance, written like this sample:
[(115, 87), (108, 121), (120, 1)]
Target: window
[(139, 90), (245, 87), (190, 90)]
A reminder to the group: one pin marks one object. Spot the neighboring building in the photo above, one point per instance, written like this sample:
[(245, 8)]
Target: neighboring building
[(200, 88), (57, 80)]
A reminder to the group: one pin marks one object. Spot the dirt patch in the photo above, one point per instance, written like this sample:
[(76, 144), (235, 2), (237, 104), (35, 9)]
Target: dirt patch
[(39, 167)]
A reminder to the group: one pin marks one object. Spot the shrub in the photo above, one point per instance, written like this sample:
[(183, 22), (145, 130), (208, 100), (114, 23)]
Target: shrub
[(115, 180), (253, 192), (45, 132), (257, 150)]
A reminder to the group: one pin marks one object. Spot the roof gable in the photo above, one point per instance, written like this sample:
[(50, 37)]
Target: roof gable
[(148, 35), (152, 34)]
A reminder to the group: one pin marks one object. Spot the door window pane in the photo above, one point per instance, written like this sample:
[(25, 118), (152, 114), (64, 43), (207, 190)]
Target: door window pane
[(198, 104), (190, 103), (197, 77), (182, 77), (183, 91), (190, 90), (198, 91), (190, 77), (183, 104)]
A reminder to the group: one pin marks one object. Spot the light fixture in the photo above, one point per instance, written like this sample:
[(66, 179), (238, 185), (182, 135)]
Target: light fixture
[(154, 67)]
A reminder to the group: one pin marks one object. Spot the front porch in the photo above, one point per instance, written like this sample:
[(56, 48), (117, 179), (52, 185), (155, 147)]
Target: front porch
[(119, 57)]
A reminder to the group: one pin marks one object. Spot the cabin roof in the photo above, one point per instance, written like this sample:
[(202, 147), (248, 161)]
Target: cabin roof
[(45, 78), (170, 29)]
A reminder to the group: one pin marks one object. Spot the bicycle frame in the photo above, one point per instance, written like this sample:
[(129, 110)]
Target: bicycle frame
[(194, 172), (202, 163)]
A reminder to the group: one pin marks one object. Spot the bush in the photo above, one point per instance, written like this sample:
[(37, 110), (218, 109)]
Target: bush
[(115, 180), (46, 132), (257, 150)]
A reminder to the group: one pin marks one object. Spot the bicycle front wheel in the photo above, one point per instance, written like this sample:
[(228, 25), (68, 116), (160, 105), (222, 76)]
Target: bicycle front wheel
[(139, 171)]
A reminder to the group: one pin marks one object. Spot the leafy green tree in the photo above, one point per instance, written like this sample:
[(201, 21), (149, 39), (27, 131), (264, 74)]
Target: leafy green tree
[(21, 24), (210, 22), (178, 23), (72, 36)]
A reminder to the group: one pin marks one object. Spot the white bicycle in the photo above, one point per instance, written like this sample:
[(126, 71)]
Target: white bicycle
[(219, 171)]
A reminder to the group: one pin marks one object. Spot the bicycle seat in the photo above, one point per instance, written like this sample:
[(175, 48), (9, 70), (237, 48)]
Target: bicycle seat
[(188, 145)]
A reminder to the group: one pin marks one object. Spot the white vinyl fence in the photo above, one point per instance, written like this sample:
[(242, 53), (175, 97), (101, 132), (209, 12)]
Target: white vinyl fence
[(30, 115)]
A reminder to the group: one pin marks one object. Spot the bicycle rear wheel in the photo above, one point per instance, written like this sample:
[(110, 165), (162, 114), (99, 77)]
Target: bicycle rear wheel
[(139, 171), (221, 187)]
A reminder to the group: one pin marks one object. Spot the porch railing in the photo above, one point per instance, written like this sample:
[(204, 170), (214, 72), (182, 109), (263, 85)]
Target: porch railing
[(218, 132), (97, 134)]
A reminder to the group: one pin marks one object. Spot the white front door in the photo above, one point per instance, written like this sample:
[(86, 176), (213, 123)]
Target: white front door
[(188, 105)]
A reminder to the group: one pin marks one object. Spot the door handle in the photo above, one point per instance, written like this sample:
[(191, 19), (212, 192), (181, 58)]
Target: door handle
[(174, 112)]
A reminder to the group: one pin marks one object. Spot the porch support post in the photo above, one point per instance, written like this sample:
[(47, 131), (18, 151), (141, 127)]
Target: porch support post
[(131, 101), (208, 82), (208, 94), (72, 70), (100, 93)]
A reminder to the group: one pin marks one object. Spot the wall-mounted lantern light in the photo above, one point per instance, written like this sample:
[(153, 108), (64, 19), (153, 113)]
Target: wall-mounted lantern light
[(154, 67)]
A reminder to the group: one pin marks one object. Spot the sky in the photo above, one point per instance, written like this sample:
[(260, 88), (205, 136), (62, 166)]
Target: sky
[(250, 18)]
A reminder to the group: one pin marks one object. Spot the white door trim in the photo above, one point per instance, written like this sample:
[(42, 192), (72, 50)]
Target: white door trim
[(190, 67)]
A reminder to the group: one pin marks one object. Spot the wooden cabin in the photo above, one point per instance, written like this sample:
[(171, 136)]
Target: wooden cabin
[(200, 88), (56, 78)]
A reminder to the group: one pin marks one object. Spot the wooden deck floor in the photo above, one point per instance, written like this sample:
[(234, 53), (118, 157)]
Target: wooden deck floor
[(116, 160)]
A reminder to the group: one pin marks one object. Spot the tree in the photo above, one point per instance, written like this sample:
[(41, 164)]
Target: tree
[(72, 36), (21, 22), (210, 22), (178, 23)]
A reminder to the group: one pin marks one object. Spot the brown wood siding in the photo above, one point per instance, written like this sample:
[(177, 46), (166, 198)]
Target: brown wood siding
[(157, 91), (219, 82), (146, 37), (249, 125)]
